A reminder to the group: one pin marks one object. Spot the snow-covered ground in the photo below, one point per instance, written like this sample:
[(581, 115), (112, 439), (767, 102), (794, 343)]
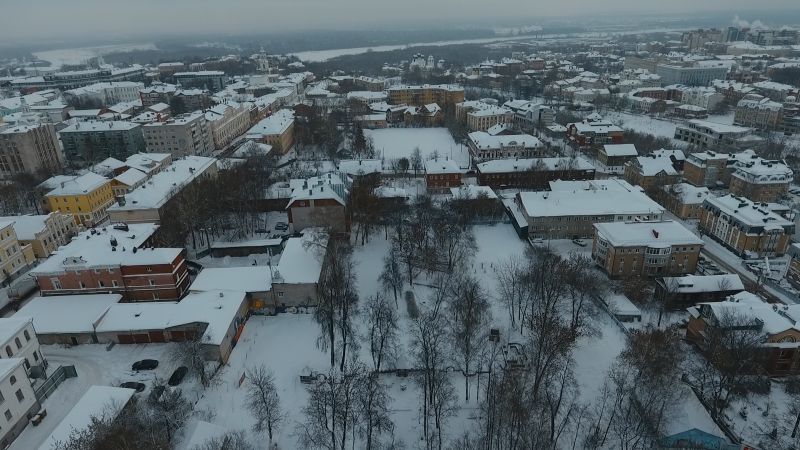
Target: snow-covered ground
[(96, 366), (643, 123), (69, 56), (395, 143)]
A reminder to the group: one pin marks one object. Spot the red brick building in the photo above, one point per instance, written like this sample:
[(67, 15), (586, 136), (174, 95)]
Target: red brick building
[(442, 174)]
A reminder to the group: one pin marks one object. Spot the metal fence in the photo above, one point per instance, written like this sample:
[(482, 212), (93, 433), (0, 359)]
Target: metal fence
[(56, 378)]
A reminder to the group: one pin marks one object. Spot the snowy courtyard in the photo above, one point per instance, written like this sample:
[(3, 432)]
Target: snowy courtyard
[(396, 143)]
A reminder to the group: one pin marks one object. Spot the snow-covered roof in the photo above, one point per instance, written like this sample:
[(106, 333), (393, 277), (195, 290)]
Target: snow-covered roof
[(27, 226), (354, 167), (107, 166), (67, 314), (775, 318), (651, 165), (131, 177), (216, 308), (719, 128), (523, 164), (331, 186), (162, 186), (245, 279), (692, 284), (588, 203), (146, 162), (441, 166), (275, 124), (301, 260), (688, 194), (609, 184), (11, 326), (652, 234), (83, 184), (471, 192), (620, 150), (251, 148), (747, 212), (98, 126), (620, 305), (92, 248), (104, 402), (484, 140)]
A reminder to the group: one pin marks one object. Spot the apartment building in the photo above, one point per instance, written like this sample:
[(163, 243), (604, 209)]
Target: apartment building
[(29, 149), (115, 259), (683, 199), (533, 173), (445, 95), (776, 323), (104, 94), (746, 228), (758, 179), (227, 121), (186, 134), (14, 256), (484, 146), (86, 197), (44, 233), (481, 119), (700, 73), (711, 135), (707, 168), (653, 171), (86, 143), (214, 80), (645, 249), (442, 174), (595, 131), (18, 340), (17, 399), (613, 157), (571, 214), (759, 112), (276, 130), (320, 202)]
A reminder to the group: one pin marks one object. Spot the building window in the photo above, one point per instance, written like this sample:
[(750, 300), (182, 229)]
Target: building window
[(19, 395), (27, 336), (13, 380), (35, 356), (18, 343), (8, 415), (114, 283), (8, 351), (152, 282)]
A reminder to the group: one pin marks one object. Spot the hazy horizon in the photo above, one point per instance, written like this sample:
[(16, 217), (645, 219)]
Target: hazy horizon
[(23, 21)]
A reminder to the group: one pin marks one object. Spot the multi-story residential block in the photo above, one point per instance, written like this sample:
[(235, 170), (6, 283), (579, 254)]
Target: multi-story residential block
[(534, 173), (594, 131), (446, 95), (44, 233), (115, 259), (320, 202), (148, 202), (214, 80), (484, 147), (168, 69), (77, 78), (775, 91), (746, 311), (86, 143), (655, 170), (17, 399), (746, 228), (705, 97), (645, 249), (86, 197), (18, 340), (227, 122), (528, 115), (683, 199), (14, 256), (276, 130), (104, 94), (189, 99), (707, 168), (759, 112), (758, 179), (481, 119), (793, 274), (700, 73), (711, 135), (571, 214), (186, 134), (29, 149)]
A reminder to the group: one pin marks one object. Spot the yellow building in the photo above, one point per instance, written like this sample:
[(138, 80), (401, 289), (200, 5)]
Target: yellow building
[(13, 255), (86, 197), (45, 233)]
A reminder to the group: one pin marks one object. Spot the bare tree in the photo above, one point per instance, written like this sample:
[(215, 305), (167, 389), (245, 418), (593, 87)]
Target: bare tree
[(382, 330), (192, 355), (392, 275), (336, 292), (512, 288), (331, 412), (373, 406), (263, 401), (232, 440), (469, 318)]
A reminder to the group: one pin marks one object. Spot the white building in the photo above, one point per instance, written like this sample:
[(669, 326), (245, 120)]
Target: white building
[(17, 399), (18, 340), (187, 134), (105, 94)]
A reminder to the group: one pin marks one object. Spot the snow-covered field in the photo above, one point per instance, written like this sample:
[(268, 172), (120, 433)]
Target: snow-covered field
[(60, 57), (395, 143), (643, 123)]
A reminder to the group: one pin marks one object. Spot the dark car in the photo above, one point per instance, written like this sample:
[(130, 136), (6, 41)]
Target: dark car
[(139, 387), (282, 226), (177, 376), (145, 364), (156, 392)]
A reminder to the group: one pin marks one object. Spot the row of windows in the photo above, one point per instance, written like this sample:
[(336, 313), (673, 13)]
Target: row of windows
[(18, 343)]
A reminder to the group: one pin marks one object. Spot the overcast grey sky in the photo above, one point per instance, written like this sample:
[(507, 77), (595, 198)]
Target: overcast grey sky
[(26, 19)]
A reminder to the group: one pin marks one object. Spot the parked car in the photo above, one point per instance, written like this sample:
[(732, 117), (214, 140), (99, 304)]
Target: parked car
[(537, 241), (38, 417), (282, 226), (579, 242), (139, 387), (145, 364), (177, 377)]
